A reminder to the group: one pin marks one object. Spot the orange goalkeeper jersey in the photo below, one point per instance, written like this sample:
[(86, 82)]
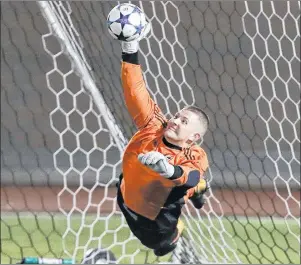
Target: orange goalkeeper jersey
[(145, 191)]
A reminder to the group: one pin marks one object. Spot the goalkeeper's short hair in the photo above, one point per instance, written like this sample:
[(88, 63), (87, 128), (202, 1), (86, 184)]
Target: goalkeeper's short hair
[(204, 118)]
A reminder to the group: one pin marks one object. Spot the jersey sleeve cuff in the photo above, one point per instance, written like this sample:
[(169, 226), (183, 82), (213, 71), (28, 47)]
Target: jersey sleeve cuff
[(177, 173), (130, 58), (189, 180)]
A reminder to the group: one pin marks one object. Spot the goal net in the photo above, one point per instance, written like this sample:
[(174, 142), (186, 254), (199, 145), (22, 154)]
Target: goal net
[(65, 125)]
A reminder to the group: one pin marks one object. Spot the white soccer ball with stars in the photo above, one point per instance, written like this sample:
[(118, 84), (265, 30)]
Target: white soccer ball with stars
[(126, 22)]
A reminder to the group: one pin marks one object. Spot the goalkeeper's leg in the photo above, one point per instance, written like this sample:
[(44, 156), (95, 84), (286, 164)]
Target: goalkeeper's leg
[(162, 241), (170, 243)]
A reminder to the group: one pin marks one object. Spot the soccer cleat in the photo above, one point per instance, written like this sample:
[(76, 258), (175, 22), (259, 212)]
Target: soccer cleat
[(185, 253), (162, 251)]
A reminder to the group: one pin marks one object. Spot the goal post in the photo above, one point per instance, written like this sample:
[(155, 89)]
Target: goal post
[(65, 126), (67, 33)]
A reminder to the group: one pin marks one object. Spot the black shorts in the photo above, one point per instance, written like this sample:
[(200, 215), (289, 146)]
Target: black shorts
[(147, 231)]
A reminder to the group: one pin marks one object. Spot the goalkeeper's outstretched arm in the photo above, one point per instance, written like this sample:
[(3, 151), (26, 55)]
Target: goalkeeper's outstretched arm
[(138, 101), (140, 105)]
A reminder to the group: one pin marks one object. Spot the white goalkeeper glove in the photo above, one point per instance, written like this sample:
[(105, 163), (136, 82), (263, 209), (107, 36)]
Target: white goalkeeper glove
[(133, 46), (158, 163)]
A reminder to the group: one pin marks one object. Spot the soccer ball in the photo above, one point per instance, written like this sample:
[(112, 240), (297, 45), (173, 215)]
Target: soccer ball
[(126, 22)]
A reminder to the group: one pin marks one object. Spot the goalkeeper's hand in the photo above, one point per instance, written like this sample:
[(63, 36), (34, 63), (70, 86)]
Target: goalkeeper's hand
[(197, 198), (158, 163), (202, 187), (133, 46)]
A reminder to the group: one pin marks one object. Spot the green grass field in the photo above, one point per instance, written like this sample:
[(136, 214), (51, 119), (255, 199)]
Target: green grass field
[(254, 241)]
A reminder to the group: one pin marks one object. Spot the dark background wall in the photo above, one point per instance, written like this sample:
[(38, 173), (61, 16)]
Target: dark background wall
[(199, 49)]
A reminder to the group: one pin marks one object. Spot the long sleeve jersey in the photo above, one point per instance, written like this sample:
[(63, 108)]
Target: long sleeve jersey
[(144, 191)]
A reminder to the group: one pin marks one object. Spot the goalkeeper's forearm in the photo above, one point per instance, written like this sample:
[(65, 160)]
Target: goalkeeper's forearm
[(137, 98)]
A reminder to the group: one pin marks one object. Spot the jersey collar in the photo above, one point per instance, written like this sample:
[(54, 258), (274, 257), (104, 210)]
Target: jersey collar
[(171, 145)]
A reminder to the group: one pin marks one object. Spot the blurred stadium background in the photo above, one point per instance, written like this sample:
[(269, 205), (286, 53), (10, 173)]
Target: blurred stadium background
[(241, 63)]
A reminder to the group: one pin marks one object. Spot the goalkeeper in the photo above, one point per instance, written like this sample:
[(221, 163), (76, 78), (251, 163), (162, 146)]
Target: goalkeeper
[(162, 165)]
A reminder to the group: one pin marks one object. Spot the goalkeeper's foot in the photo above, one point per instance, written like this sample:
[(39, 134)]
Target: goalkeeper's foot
[(162, 251)]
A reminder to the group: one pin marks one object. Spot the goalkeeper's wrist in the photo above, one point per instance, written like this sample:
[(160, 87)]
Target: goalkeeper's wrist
[(130, 46), (177, 173), (130, 57)]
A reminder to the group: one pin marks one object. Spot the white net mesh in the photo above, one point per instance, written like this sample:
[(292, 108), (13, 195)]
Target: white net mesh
[(239, 61), (274, 31), (176, 87)]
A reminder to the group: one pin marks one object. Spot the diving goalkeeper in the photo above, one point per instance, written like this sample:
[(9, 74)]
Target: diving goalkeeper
[(162, 166)]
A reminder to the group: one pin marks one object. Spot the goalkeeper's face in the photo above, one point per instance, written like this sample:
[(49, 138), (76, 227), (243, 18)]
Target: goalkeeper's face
[(184, 128)]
